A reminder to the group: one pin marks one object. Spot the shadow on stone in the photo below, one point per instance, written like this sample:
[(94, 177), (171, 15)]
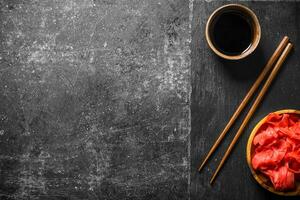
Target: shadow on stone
[(247, 68)]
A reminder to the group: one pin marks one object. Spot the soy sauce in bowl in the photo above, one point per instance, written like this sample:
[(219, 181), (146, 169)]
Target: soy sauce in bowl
[(232, 33)]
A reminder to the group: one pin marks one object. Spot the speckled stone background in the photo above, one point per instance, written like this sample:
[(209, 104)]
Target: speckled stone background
[(121, 99), (94, 99)]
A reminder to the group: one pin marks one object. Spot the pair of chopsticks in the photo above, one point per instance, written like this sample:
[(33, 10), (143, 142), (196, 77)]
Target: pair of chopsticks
[(279, 56)]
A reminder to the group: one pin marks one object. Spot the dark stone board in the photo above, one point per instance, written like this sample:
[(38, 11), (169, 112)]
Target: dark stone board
[(219, 86), (94, 99)]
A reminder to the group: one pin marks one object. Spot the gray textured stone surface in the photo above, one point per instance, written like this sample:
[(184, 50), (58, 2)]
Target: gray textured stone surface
[(94, 99)]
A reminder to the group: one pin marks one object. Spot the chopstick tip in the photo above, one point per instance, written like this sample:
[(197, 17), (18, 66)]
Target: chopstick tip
[(201, 167), (212, 180), (286, 37), (291, 44)]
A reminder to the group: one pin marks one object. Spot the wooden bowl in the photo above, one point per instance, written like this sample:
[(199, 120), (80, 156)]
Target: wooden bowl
[(249, 15), (259, 177)]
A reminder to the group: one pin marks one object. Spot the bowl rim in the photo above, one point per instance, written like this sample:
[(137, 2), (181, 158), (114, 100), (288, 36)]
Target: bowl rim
[(256, 23), (248, 155)]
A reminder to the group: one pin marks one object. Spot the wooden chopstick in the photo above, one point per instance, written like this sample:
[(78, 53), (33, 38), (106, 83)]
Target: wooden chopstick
[(258, 99), (248, 96)]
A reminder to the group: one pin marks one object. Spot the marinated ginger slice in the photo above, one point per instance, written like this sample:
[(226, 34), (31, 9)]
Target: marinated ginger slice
[(277, 150)]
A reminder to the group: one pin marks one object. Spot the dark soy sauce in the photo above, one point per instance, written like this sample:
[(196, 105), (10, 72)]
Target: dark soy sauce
[(232, 33)]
